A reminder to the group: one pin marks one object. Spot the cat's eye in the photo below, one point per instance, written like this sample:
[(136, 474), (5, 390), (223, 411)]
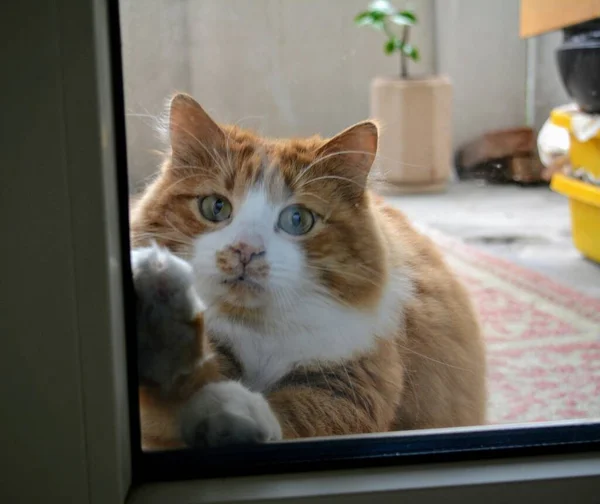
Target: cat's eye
[(296, 220), (215, 208)]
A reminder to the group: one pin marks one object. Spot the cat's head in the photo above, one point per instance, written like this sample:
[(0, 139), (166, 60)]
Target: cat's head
[(263, 221)]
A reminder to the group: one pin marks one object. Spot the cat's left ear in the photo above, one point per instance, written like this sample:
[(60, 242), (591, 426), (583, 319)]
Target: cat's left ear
[(353, 150)]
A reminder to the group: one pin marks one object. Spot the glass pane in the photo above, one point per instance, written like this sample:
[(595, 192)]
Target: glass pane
[(342, 225)]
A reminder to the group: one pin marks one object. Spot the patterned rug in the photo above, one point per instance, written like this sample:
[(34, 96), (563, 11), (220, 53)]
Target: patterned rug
[(543, 339)]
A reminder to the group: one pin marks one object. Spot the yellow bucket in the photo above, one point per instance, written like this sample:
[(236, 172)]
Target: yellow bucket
[(584, 155), (584, 201)]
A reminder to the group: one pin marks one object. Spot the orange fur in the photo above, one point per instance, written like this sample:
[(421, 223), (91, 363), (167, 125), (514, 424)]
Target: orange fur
[(429, 373)]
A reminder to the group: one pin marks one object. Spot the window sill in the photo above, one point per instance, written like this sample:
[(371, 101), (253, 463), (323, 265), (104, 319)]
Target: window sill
[(556, 479)]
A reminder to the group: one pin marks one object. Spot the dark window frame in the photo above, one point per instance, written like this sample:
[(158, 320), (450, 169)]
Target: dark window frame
[(311, 455)]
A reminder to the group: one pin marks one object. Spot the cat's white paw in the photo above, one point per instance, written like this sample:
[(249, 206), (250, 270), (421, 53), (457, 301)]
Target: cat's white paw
[(227, 413), (166, 306)]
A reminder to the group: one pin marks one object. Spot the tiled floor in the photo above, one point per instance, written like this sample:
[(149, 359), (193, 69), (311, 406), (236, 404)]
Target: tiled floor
[(527, 225)]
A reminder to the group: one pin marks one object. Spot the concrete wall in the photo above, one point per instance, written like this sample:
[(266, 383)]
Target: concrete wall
[(155, 62), (289, 67), (478, 46), (283, 67)]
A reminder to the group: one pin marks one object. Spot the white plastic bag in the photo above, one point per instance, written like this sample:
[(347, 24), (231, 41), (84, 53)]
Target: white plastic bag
[(553, 143)]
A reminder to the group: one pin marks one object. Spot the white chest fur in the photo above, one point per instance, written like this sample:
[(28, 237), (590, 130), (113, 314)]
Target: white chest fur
[(316, 330)]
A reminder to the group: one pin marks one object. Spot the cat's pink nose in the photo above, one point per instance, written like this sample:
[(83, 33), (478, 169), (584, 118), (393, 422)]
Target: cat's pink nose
[(247, 251)]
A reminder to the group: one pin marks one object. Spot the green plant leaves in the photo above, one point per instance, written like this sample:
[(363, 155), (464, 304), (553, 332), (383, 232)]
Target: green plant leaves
[(394, 44), (382, 11), (383, 7), (408, 14), (378, 16), (370, 18), (410, 51), (390, 46), (403, 20), (363, 18)]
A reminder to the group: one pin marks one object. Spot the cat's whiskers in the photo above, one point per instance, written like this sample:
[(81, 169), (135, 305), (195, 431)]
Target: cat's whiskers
[(212, 154), (289, 286), (345, 273), (370, 271), (331, 177), (283, 300), (226, 166), (181, 180), (132, 114), (239, 121), (154, 118), (351, 385), (366, 268), (282, 293), (410, 350), (159, 236), (324, 158), (413, 389), (177, 230), (376, 174), (324, 375), (316, 196), (195, 168), (329, 297), (228, 153)]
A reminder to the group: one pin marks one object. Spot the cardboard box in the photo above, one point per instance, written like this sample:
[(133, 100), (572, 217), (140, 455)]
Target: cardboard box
[(541, 16)]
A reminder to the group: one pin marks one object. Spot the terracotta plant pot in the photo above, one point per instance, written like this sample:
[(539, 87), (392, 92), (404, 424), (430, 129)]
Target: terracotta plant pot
[(415, 146)]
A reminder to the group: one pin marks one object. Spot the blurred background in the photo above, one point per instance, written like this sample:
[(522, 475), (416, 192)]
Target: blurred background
[(481, 145), (288, 67)]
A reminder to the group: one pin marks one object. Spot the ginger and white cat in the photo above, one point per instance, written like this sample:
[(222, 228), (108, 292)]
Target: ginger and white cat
[(326, 312)]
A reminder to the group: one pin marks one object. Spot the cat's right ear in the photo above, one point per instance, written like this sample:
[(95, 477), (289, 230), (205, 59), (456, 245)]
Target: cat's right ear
[(190, 128)]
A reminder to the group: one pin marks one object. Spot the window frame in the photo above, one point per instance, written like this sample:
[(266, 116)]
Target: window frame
[(93, 119), (410, 448), (530, 462), (555, 480)]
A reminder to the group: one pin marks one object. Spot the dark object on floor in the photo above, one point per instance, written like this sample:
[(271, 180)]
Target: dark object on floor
[(579, 64), (496, 145), (527, 169), (501, 157), (493, 171)]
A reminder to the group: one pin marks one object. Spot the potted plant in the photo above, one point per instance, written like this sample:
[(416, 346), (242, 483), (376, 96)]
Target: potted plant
[(415, 112)]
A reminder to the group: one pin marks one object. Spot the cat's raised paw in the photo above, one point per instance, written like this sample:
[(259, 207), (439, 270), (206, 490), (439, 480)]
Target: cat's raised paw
[(227, 413), (168, 315)]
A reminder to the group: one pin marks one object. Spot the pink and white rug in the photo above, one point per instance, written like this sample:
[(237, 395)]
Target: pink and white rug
[(543, 339)]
